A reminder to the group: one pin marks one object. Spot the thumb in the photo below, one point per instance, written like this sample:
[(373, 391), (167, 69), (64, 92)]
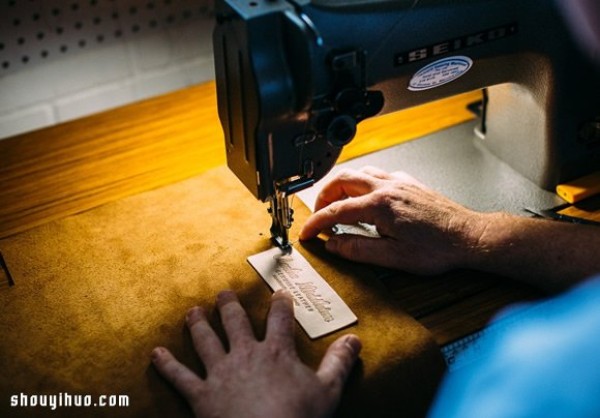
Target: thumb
[(338, 361)]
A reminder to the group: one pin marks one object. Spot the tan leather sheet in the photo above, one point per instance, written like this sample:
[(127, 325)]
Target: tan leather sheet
[(95, 292)]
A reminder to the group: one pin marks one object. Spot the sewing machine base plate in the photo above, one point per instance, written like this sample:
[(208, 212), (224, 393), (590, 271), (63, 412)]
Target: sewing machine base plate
[(455, 163)]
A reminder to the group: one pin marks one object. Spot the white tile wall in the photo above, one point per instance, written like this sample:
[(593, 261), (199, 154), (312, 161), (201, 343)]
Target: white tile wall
[(26, 119), (105, 77), (93, 100)]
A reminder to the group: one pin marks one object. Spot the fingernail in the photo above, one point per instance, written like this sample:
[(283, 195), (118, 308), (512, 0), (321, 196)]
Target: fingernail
[(301, 234), (353, 343), (156, 353), (194, 314), (281, 293), (226, 296)]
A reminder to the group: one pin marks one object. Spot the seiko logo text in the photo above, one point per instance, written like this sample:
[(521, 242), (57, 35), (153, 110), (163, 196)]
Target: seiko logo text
[(456, 44)]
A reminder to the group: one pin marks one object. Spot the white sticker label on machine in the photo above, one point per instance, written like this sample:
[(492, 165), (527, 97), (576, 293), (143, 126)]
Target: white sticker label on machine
[(440, 72), (317, 307)]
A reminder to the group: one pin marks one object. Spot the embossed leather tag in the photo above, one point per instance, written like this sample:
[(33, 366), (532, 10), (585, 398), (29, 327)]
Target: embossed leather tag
[(317, 307)]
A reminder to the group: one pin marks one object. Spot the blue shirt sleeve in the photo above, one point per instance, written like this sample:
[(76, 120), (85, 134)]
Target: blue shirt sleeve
[(547, 365)]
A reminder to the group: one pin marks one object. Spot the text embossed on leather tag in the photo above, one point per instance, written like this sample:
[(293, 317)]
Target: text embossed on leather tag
[(317, 307)]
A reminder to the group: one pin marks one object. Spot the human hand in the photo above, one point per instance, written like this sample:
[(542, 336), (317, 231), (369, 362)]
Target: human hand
[(421, 231), (257, 378)]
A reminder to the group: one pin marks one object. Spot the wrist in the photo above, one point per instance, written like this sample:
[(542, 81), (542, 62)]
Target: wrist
[(489, 239)]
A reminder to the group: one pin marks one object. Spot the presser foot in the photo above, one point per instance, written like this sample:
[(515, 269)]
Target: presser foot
[(283, 244)]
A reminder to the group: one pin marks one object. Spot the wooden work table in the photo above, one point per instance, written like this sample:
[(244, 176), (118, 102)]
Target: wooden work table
[(62, 170)]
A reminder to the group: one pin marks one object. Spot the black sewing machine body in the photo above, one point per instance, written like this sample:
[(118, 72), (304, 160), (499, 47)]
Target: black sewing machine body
[(295, 77)]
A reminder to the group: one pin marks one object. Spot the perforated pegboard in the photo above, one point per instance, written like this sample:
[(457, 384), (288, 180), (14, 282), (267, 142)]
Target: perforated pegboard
[(32, 31)]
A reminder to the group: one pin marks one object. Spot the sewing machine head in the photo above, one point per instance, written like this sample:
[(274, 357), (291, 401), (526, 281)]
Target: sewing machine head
[(295, 77)]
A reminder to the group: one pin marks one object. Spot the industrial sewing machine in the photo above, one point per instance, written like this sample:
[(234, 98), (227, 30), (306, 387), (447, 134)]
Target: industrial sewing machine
[(294, 77)]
